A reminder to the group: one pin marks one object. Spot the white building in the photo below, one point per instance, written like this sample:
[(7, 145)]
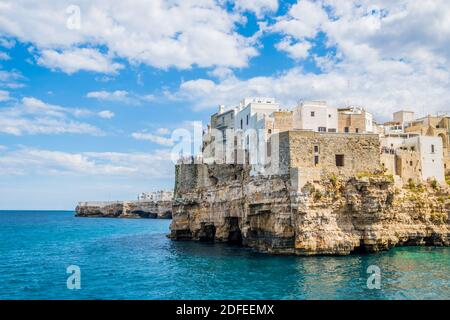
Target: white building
[(413, 156), (251, 112), (430, 159), (156, 196), (251, 121), (401, 120), (315, 116), (403, 117)]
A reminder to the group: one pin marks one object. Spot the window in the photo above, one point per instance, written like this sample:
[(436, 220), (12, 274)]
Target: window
[(339, 160), (410, 163), (316, 160), (357, 130), (432, 148), (313, 113), (242, 124), (329, 116), (346, 130), (316, 149), (322, 129), (331, 130), (247, 120), (270, 131)]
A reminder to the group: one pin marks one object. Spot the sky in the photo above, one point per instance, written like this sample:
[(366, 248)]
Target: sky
[(93, 92)]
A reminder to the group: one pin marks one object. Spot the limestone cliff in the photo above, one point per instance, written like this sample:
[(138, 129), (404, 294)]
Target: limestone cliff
[(367, 213), (125, 209)]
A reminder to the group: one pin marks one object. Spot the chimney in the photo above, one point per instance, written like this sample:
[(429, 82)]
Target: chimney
[(221, 108)]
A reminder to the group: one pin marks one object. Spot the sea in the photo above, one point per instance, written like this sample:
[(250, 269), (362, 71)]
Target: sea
[(54, 255)]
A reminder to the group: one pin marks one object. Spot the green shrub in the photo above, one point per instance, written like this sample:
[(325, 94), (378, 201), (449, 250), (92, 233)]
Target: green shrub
[(434, 184)]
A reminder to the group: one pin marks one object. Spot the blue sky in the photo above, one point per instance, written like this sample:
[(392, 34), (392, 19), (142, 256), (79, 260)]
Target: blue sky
[(91, 91)]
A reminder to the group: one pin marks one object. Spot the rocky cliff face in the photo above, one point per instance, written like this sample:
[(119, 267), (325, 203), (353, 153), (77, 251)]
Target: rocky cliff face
[(126, 209), (366, 213)]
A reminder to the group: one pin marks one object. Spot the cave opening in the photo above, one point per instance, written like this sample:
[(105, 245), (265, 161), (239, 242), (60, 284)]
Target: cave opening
[(207, 233), (234, 233)]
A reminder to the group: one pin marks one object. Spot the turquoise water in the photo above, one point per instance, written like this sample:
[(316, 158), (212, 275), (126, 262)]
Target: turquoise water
[(132, 259)]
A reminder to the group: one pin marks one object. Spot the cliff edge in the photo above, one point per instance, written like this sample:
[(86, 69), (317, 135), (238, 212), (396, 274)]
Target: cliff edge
[(125, 209), (330, 216)]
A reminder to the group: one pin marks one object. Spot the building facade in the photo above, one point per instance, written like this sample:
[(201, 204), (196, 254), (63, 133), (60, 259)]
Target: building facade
[(355, 120), (434, 126), (315, 116), (310, 155), (413, 157)]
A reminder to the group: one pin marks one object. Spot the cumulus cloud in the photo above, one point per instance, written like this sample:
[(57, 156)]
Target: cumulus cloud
[(4, 56), (33, 116), (163, 131), (26, 161), (159, 33), (296, 50), (385, 55), (381, 94), (4, 95), (7, 43), (76, 59), (11, 79), (121, 96), (106, 114), (259, 7), (145, 136)]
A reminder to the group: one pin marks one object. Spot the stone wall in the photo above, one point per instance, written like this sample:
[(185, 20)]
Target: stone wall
[(352, 121), (283, 121), (298, 149), (126, 209), (332, 216)]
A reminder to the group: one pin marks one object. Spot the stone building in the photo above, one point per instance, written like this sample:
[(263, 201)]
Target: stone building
[(355, 120), (240, 133), (311, 155), (413, 157), (216, 133), (434, 126), (400, 121)]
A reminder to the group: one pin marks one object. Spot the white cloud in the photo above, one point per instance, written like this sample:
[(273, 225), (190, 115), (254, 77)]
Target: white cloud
[(118, 95), (4, 56), (299, 50), (106, 114), (380, 93), (303, 20), (389, 55), (76, 59), (11, 79), (26, 161), (8, 44), (259, 7), (33, 116), (122, 96), (164, 141), (163, 131), (163, 34), (4, 95)]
